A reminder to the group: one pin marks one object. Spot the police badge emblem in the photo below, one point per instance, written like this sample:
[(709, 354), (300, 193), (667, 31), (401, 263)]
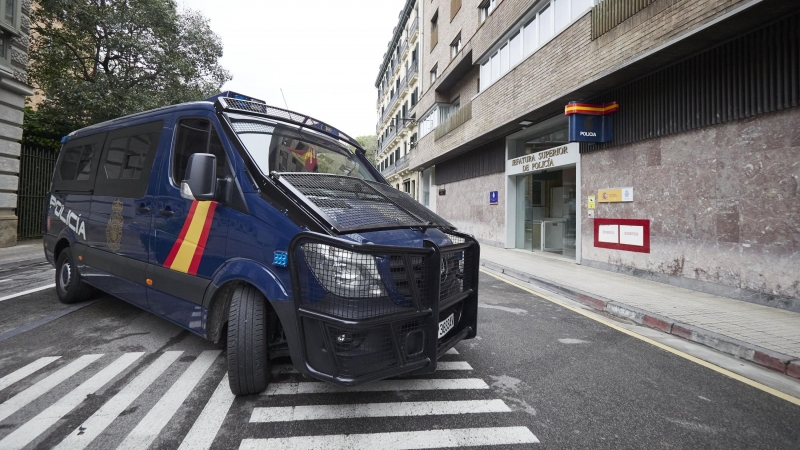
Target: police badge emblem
[(114, 227)]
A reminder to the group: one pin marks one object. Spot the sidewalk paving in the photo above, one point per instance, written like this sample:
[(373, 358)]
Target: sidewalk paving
[(25, 253), (763, 335)]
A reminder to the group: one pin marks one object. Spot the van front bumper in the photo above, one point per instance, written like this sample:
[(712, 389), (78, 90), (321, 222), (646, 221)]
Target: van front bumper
[(386, 322)]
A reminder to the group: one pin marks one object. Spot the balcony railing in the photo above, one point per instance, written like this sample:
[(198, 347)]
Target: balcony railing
[(454, 121), (389, 136), (414, 28), (399, 165), (403, 48), (610, 13)]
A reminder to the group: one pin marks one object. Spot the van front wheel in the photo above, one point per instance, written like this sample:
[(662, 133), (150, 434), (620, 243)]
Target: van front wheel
[(69, 286), (248, 361)]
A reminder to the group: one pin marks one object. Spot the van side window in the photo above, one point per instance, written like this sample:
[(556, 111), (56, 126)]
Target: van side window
[(196, 135), (77, 163), (127, 160)]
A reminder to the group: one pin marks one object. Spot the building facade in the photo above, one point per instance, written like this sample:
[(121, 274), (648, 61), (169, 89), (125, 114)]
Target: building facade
[(698, 186), (14, 36), (399, 86)]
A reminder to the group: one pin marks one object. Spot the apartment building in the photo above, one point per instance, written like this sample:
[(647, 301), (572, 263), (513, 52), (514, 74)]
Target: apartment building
[(696, 183), (399, 87)]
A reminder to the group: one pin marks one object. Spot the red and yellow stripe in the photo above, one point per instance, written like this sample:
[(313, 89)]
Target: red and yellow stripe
[(587, 108), (188, 250)]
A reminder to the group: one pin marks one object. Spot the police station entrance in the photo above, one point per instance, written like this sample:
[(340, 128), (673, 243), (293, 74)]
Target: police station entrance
[(543, 182)]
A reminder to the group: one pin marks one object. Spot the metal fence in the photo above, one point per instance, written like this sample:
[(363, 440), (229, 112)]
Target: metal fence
[(35, 172)]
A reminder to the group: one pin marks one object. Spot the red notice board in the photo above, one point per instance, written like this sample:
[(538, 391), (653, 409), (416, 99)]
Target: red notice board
[(632, 235)]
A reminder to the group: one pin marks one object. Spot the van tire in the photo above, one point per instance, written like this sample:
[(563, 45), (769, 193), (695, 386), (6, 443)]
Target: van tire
[(248, 361), (69, 286)]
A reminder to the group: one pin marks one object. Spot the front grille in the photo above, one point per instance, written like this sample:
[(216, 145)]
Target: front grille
[(362, 351), (351, 204)]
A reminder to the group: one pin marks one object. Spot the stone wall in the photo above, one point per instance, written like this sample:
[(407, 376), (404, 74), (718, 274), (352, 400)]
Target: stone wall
[(724, 206), (466, 205), (13, 91)]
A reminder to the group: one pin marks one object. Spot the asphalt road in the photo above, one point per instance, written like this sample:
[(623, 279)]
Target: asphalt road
[(107, 375)]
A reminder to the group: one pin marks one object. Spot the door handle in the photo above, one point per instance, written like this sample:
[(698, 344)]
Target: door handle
[(143, 209), (166, 212)]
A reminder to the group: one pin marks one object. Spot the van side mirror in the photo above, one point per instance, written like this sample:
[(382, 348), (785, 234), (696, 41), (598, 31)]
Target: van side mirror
[(200, 182)]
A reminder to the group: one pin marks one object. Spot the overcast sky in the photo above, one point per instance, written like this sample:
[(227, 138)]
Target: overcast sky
[(324, 54)]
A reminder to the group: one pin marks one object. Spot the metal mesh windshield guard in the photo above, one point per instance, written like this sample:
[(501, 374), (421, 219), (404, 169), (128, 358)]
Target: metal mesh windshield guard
[(351, 204), (250, 107), (367, 311)]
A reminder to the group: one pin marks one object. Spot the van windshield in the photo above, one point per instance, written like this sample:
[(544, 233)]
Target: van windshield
[(279, 148)]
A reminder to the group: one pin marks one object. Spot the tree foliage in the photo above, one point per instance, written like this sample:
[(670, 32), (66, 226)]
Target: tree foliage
[(95, 60), (370, 144)]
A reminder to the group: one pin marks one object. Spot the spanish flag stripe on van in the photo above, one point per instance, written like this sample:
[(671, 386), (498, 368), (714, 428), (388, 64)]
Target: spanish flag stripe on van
[(188, 249)]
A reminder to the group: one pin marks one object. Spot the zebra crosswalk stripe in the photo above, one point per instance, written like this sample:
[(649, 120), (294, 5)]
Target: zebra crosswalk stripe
[(394, 409), (464, 437), (206, 427), (453, 365), (311, 387), (25, 434), (23, 372), (20, 400), (151, 425), (100, 420)]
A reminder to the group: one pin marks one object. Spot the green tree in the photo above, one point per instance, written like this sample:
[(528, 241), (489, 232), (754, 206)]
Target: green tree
[(95, 60), (370, 144)]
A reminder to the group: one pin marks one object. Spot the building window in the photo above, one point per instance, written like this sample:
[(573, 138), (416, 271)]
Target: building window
[(455, 46), (11, 13), (540, 26), (486, 8), (414, 97), (413, 140), (434, 73), (455, 6), (435, 29)]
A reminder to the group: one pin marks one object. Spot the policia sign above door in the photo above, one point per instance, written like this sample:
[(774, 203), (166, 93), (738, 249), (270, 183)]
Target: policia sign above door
[(543, 160), (591, 123)]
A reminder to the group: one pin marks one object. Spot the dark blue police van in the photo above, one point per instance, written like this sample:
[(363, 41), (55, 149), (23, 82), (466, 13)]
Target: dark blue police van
[(241, 221)]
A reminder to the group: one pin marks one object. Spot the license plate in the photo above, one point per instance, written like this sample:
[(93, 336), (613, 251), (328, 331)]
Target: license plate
[(447, 325)]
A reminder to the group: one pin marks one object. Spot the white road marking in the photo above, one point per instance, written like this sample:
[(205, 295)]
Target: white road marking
[(517, 311), (397, 409), (400, 440), (452, 351), (23, 372), (20, 400), (151, 425), (29, 291), (377, 386), (29, 431), (206, 427), (100, 420), (453, 365)]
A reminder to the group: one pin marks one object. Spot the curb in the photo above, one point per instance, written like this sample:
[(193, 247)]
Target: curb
[(778, 362), (20, 263)]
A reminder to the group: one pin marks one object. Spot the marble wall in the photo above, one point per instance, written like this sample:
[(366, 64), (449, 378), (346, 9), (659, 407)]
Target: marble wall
[(466, 205), (724, 206)]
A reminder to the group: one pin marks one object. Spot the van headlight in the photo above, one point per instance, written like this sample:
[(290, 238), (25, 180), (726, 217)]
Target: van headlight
[(344, 273)]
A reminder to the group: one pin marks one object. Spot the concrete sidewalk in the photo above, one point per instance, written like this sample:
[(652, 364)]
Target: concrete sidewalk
[(23, 254), (763, 335)]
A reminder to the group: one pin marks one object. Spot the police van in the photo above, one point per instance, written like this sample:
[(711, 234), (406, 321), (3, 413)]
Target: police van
[(257, 225)]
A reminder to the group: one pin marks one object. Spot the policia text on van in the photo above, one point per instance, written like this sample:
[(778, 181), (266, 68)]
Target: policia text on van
[(233, 218)]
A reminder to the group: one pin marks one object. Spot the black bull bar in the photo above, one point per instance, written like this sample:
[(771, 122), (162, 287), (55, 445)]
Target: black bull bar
[(367, 312)]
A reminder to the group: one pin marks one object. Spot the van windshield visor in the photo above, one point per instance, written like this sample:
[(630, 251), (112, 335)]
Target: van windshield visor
[(280, 148)]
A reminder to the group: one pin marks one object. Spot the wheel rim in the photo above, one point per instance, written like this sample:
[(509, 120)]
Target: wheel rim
[(64, 276)]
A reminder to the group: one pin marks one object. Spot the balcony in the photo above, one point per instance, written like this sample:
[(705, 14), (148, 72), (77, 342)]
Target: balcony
[(454, 121), (404, 49), (413, 32), (388, 139), (399, 165), (413, 72)]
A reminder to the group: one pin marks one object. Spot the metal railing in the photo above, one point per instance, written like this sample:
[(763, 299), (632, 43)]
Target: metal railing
[(414, 28), (454, 121), (610, 13), (398, 165), (36, 167)]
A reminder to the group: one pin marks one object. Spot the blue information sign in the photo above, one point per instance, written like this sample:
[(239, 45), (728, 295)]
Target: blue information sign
[(493, 197)]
